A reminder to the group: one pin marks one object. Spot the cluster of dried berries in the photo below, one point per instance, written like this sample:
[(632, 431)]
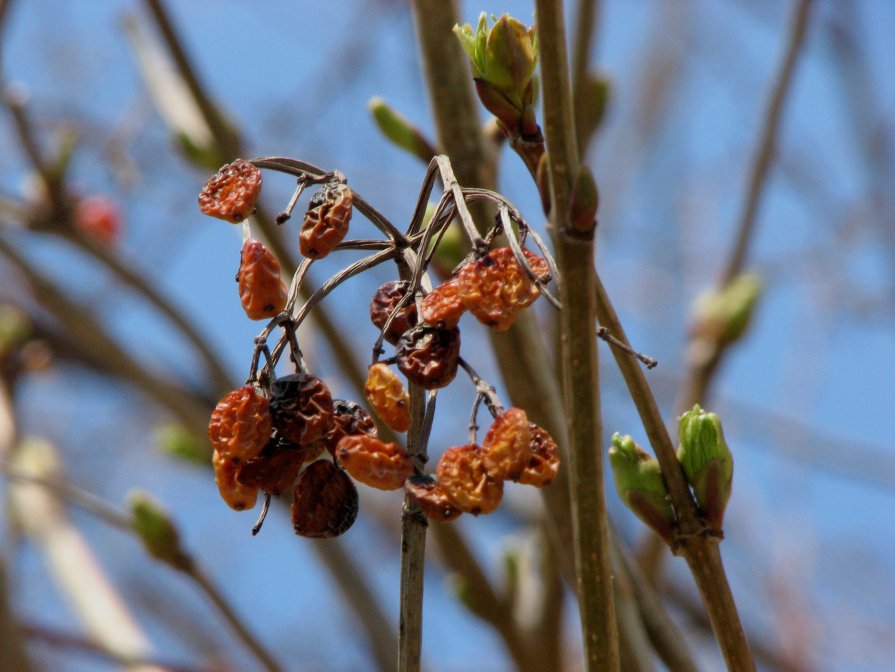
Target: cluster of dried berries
[(470, 477), (287, 435)]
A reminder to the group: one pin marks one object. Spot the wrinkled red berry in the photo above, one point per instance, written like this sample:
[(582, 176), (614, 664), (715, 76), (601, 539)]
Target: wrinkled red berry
[(325, 501), (463, 478), (240, 424), (505, 448), (301, 407), (442, 306), (373, 462), (383, 304), (429, 356), (388, 397), (349, 419), (278, 465), (495, 288), (428, 495), (543, 458), (261, 289), (238, 497), (232, 192), (326, 221)]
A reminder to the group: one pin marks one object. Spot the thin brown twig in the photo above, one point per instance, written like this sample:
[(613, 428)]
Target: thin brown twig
[(586, 24)]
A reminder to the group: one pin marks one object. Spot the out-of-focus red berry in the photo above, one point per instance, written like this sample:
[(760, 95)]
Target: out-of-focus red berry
[(99, 218)]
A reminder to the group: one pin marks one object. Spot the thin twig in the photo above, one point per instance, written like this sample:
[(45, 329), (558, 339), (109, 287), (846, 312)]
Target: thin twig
[(586, 24), (575, 256)]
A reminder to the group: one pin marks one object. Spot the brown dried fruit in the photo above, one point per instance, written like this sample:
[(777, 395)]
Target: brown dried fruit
[(326, 221), (349, 419), (384, 302), (232, 192), (278, 465), (428, 495), (372, 462), (388, 397), (495, 288), (325, 502), (239, 497), (543, 458), (443, 306), (463, 478), (261, 289), (429, 356), (505, 448), (301, 407), (240, 424)]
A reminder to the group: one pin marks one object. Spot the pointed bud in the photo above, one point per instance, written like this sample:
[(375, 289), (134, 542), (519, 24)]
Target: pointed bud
[(176, 440), (156, 530), (641, 486), (707, 462), (585, 200), (400, 131), (722, 316)]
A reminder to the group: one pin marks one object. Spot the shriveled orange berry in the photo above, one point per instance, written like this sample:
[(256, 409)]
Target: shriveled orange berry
[(301, 407), (428, 495), (261, 288), (349, 419), (383, 304), (326, 220), (325, 501), (278, 465), (495, 288), (373, 462), (388, 397), (443, 306), (463, 478), (232, 192), (429, 356), (543, 458), (240, 424), (239, 497), (505, 448)]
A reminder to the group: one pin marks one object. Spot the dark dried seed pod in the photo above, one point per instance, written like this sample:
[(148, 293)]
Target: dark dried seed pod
[(384, 302), (278, 465), (325, 502), (349, 419), (326, 221), (301, 407), (428, 356)]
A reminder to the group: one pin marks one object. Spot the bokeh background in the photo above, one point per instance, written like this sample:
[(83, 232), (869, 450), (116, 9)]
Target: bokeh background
[(807, 397)]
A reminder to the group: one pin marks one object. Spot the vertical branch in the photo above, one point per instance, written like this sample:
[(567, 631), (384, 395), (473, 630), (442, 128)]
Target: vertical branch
[(575, 256)]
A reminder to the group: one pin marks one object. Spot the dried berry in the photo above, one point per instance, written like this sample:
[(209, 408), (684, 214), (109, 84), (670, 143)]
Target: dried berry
[(428, 495), (505, 448), (278, 465), (239, 497), (384, 302), (240, 424), (325, 502), (326, 221), (231, 193), (429, 356), (495, 288), (349, 419), (443, 306), (543, 458), (388, 397), (261, 289), (372, 462), (301, 407), (463, 478)]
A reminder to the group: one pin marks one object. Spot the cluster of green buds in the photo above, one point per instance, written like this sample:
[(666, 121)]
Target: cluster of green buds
[(707, 464), (504, 57)]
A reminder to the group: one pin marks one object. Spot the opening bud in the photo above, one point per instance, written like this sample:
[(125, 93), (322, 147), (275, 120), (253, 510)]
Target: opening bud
[(707, 462)]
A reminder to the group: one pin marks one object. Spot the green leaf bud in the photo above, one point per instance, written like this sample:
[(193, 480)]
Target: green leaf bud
[(400, 131), (177, 440), (723, 316), (707, 462), (585, 200), (641, 486), (156, 530)]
